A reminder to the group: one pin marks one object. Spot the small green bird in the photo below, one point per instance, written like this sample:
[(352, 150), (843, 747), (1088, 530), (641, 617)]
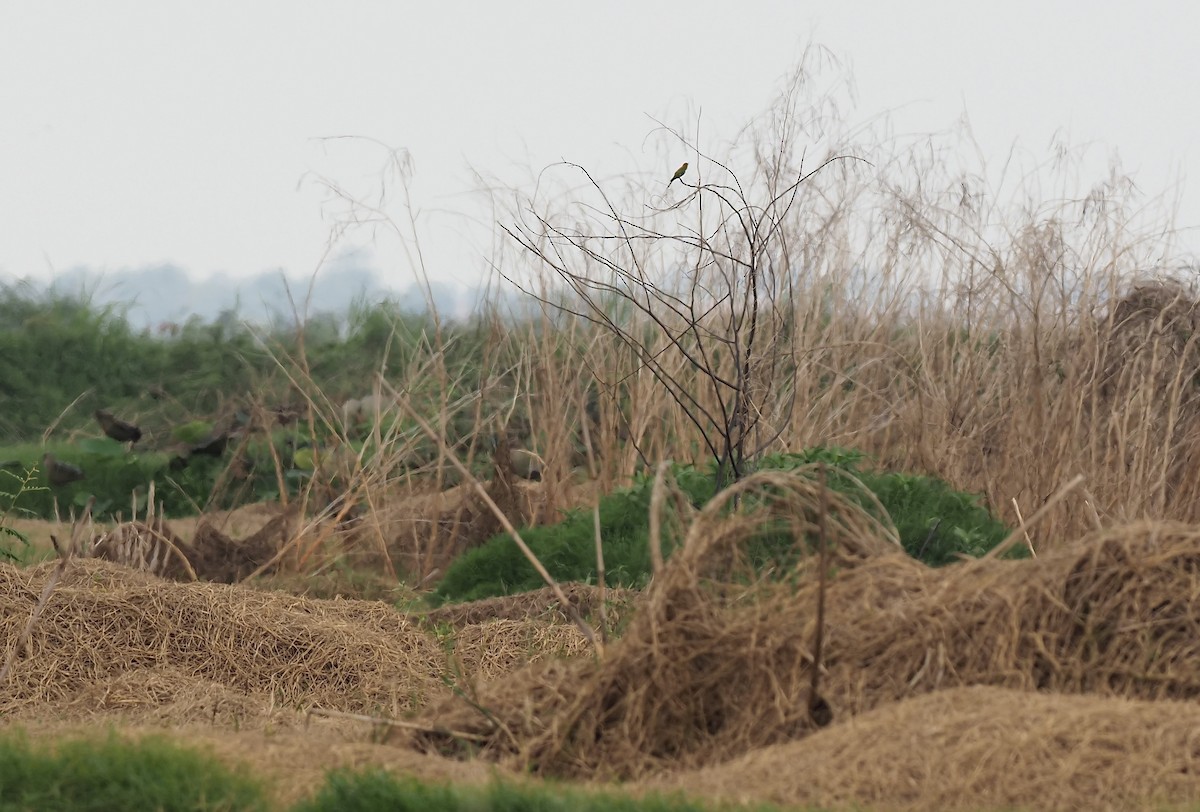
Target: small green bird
[(678, 173)]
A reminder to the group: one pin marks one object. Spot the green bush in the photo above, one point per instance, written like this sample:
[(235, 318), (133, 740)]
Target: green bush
[(81, 775), (935, 524)]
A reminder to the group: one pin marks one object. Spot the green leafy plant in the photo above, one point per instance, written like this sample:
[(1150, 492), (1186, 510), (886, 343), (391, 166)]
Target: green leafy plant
[(14, 488)]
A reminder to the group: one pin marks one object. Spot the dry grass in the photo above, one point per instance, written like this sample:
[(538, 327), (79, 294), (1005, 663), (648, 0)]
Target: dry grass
[(1005, 341), (1044, 684), (718, 662), (539, 604), (105, 622), (977, 748)]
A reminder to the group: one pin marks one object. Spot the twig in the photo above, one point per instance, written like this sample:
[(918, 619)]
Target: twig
[(64, 557), (53, 425), (656, 500), (23, 640), (1021, 525), (1090, 501), (377, 720), (1015, 535), (818, 709), (600, 572)]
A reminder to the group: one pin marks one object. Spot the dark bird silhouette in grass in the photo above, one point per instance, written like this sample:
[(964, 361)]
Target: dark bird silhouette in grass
[(60, 473), (214, 446), (120, 430)]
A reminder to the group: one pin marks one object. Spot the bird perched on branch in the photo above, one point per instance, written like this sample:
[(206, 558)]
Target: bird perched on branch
[(60, 473), (678, 173), (120, 430)]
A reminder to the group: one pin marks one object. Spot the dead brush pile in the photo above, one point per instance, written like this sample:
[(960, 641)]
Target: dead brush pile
[(710, 643), (717, 661), (105, 625)]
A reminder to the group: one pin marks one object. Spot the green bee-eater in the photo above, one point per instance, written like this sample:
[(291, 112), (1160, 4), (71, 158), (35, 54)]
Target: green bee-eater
[(678, 173)]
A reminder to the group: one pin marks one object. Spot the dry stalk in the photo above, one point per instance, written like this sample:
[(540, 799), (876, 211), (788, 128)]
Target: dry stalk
[(1090, 501), (600, 572), (398, 723), (1015, 536), (819, 710), (1021, 525), (656, 502)]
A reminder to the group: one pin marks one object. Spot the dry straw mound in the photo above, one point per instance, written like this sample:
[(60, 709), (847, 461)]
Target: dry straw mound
[(1112, 614), (166, 695), (977, 748), (107, 632), (718, 660), (496, 648), (1154, 331), (710, 653)]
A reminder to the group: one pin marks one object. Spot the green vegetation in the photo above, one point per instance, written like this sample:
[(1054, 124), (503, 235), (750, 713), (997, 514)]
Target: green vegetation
[(82, 775), (99, 775), (376, 791), (936, 524), (55, 348), (14, 486), (61, 358)]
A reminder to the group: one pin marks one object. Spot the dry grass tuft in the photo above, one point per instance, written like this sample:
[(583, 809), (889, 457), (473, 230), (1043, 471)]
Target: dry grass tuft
[(151, 548), (423, 532), (221, 559)]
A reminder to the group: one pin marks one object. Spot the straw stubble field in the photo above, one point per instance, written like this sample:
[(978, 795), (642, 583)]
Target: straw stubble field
[(1064, 682)]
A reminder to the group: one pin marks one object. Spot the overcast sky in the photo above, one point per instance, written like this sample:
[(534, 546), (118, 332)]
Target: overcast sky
[(134, 133)]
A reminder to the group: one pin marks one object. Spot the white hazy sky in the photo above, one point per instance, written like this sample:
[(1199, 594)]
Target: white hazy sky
[(141, 132)]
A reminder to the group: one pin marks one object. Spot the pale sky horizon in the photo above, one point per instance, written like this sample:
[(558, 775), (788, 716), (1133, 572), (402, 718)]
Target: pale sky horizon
[(133, 134)]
